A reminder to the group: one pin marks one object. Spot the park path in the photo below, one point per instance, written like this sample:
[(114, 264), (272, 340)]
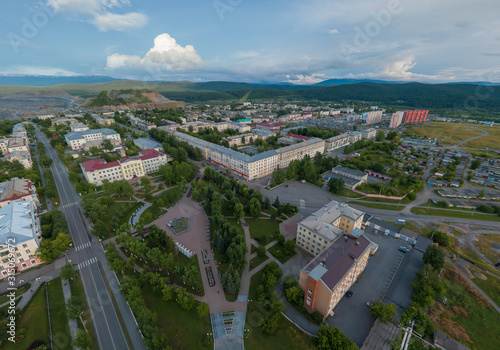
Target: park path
[(485, 133)]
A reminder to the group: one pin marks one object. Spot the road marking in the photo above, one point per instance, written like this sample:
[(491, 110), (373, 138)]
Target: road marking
[(69, 205), (302, 204), (87, 263), (83, 246)]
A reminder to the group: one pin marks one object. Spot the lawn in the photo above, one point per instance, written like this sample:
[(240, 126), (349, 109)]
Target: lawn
[(262, 230), (257, 261), (172, 195), (77, 290), (454, 214), (485, 244), (184, 329), (448, 133), (151, 214), (378, 205), (34, 321), (277, 251), (287, 337), (58, 319)]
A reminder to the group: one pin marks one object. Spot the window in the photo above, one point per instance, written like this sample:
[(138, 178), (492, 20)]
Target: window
[(28, 251), (309, 290), (309, 297), (25, 245)]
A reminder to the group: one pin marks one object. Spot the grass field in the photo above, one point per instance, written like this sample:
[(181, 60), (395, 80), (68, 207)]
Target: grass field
[(19, 292), (378, 205), (454, 214), (448, 133), (34, 321), (287, 337), (257, 261), (490, 286), (490, 141), (485, 244), (184, 329), (262, 230), (61, 336)]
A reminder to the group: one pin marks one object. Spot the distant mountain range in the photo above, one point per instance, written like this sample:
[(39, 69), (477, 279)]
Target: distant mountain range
[(455, 96)]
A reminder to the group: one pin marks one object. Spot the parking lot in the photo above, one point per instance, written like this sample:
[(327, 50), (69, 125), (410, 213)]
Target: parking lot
[(388, 276)]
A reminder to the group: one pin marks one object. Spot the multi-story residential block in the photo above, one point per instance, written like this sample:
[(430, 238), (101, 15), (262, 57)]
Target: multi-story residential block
[(300, 150), (355, 136), (19, 130), (142, 124), (20, 236), (89, 138), (415, 116), (372, 117), (148, 161), (396, 120), (270, 126), (17, 190), (103, 121), (63, 120), (327, 278), (317, 231), (22, 157), (46, 116), (369, 133), (337, 142)]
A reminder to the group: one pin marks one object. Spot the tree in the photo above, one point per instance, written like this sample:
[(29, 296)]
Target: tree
[(239, 211), (51, 248), (295, 295), (202, 309), (146, 186), (45, 161), (476, 163), (289, 247), (107, 145), (68, 273), (277, 202), (254, 207), (74, 307), (482, 193), (332, 338), (82, 340), (380, 136), (261, 251), (435, 256), (336, 185), (267, 203), (281, 239), (384, 313)]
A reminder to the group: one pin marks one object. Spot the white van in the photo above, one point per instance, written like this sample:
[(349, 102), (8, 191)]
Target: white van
[(401, 221)]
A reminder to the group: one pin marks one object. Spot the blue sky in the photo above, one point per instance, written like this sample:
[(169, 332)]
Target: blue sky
[(253, 41)]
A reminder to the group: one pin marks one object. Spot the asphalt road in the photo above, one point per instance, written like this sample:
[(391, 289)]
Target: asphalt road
[(107, 326)]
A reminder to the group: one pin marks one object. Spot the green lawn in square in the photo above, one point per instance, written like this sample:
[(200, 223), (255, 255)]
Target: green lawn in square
[(262, 230), (277, 251)]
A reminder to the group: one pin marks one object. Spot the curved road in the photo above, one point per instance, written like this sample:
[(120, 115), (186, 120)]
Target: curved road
[(485, 133)]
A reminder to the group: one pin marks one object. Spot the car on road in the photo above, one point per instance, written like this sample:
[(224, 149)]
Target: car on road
[(404, 249), (349, 294), (369, 304), (286, 185), (375, 232)]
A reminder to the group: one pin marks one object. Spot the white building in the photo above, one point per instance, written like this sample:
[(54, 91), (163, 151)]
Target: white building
[(78, 127), (79, 139), (149, 161), (20, 236)]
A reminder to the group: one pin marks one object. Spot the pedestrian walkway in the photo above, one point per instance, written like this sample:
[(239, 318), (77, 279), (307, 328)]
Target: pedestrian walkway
[(73, 325), (134, 218)]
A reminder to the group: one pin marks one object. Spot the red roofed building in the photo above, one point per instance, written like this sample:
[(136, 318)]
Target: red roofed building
[(17, 190), (269, 126), (300, 137), (330, 274), (148, 161)]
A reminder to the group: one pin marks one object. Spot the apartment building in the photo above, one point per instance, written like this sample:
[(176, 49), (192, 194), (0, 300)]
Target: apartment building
[(327, 278), (80, 139), (17, 190), (19, 130), (142, 124), (63, 120), (103, 121), (274, 127), (148, 161), (300, 150), (318, 230), (369, 133), (372, 117), (20, 234), (396, 120), (415, 116), (22, 157), (337, 142)]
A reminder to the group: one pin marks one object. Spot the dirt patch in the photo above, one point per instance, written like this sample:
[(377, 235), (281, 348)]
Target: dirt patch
[(439, 316), (480, 275), (455, 276)]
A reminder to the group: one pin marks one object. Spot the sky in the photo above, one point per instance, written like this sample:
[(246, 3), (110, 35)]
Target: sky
[(301, 42)]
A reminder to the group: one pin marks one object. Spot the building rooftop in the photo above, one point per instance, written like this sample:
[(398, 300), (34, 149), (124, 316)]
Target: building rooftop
[(76, 135), (16, 220), (15, 189), (99, 164), (349, 171), (300, 137), (333, 263), (144, 143)]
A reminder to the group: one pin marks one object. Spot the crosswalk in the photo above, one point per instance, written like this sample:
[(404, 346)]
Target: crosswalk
[(87, 263), (69, 205), (83, 246)]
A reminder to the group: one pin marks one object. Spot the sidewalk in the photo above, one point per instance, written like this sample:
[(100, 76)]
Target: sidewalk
[(73, 325)]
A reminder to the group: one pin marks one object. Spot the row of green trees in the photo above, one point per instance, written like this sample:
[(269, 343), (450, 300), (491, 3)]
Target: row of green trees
[(175, 147)]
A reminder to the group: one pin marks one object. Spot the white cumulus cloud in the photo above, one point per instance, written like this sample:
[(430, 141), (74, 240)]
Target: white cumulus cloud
[(166, 55), (333, 31), (97, 12), (113, 21)]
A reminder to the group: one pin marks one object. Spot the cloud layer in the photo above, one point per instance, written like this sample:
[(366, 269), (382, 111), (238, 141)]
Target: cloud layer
[(98, 13), (165, 56)]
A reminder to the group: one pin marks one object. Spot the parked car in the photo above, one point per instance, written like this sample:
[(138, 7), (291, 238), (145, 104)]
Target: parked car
[(349, 294), (404, 249), (369, 304), (375, 232)]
